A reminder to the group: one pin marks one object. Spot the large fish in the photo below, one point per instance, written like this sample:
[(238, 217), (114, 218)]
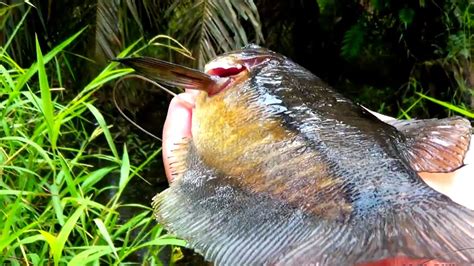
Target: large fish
[(281, 169)]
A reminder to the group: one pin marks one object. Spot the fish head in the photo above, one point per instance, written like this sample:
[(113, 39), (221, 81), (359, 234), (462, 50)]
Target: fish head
[(231, 116), (232, 123)]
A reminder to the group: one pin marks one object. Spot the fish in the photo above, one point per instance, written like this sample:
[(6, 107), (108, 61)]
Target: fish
[(283, 170)]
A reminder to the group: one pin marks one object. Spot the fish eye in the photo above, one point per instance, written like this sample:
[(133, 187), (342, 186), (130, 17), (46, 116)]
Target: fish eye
[(225, 72)]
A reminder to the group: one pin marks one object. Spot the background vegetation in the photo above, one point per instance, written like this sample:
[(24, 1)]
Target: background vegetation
[(70, 166)]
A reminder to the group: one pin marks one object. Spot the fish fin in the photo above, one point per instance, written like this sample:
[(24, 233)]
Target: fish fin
[(436, 229), (177, 161), (231, 225), (435, 145), (226, 224), (169, 73)]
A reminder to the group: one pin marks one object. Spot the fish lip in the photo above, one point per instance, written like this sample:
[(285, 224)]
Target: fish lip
[(221, 84)]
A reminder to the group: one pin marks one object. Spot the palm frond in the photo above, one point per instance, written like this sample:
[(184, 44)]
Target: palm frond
[(210, 27), (108, 33), (353, 41)]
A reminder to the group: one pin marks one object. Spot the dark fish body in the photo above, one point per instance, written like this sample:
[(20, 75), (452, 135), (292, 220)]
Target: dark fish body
[(281, 169)]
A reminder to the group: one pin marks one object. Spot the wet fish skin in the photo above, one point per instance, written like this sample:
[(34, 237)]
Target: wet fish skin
[(281, 169)]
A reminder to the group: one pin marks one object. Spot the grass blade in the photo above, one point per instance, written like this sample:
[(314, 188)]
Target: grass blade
[(64, 234), (46, 103), (34, 67), (100, 119), (94, 177), (124, 170), (52, 242), (37, 147), (450, 106), (91, 254), (58, 209), (105, 234)]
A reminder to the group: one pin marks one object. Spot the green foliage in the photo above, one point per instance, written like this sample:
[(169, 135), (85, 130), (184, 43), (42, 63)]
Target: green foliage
[(207, 27), (353, 41), (401, 43), (51, 212), (210, 27), (406, 16), (324, 4), (451, 107)]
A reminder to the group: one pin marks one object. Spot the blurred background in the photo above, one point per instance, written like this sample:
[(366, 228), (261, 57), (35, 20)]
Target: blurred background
[(403, 58)]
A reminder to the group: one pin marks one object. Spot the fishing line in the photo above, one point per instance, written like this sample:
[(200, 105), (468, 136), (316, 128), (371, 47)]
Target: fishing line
[(114, 97)]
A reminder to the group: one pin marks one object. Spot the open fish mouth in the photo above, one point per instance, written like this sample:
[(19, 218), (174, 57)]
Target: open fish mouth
[(225, 72), (228, 70)]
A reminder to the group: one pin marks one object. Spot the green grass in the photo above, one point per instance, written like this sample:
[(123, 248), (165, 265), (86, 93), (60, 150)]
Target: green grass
[(49, 173), (453, 108)]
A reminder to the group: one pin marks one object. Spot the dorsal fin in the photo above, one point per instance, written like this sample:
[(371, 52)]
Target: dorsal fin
[(169, 73), (435, 145)]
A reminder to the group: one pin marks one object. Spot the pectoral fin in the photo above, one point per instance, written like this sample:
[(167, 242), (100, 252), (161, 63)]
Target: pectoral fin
[(435, 145)]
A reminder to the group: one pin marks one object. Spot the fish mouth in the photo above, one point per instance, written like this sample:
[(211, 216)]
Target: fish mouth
[(229, 70), (225, 72)]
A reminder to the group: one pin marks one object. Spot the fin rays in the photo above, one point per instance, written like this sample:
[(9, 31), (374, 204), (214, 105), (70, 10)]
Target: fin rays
[(232, 226), (435, 145)]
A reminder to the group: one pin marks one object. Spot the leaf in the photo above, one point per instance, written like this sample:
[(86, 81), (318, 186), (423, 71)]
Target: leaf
[(9, 232), (34, 67), (450, 106), (91, 254), (162, 241), (32, 144), (105, 234), (210, 27), (57, 203), (46, 103), (108, 33), (124, 169), (132, 223), (67, 172), (323, 4), (353, 42), (12, 192), (103, 125), (52, 242), (64, 233), (406, 16), (17, 27), (94, 177)]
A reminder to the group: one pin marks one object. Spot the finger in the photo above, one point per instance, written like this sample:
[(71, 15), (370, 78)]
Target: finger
[(177, 126)]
